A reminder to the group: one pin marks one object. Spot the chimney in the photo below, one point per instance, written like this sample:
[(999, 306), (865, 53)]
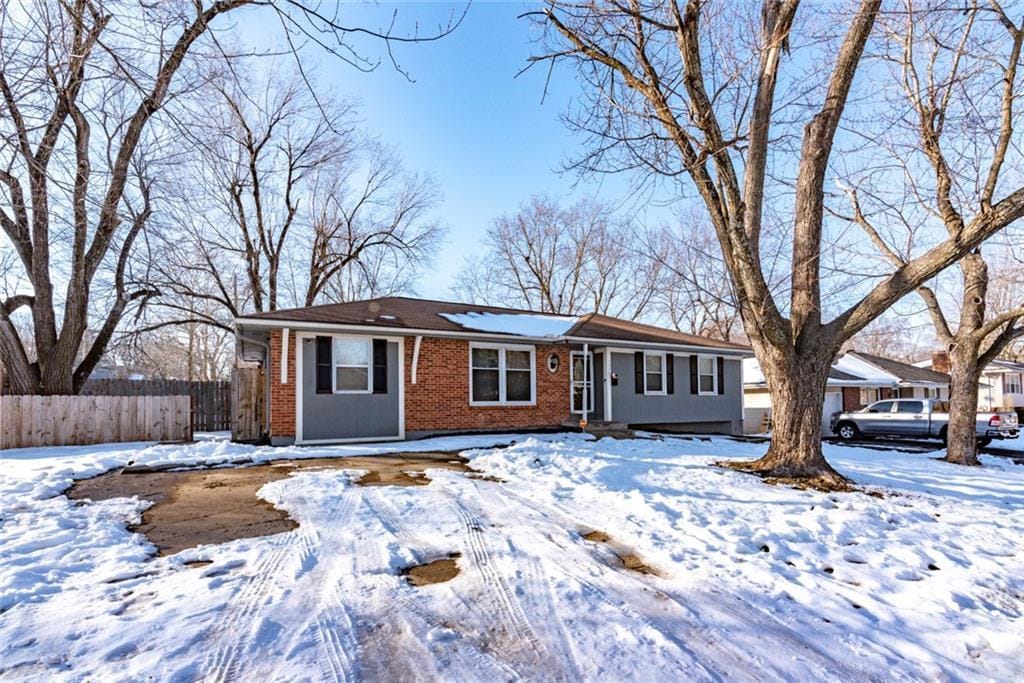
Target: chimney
[(940, 361)]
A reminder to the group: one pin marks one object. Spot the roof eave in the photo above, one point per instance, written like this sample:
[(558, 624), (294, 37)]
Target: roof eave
[(268, 323)]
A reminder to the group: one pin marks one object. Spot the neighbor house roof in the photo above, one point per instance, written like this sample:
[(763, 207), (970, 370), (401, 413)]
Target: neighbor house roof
[(399, 313), (905, 372), (857, 369), (1000, 366)]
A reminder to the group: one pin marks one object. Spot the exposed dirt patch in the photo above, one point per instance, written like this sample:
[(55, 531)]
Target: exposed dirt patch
[(193, 507), (437, 571), (635, 564), (629, 559), (197, 563)]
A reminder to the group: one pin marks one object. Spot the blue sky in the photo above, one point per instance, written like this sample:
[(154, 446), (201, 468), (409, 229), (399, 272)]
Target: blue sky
[(465, 118)]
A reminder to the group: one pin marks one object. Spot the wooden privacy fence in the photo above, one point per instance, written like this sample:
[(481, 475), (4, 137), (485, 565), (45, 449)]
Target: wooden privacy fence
[(27, 421), (211, 401)]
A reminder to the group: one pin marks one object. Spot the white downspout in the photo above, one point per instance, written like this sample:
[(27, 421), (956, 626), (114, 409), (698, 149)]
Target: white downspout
[(415, 356)]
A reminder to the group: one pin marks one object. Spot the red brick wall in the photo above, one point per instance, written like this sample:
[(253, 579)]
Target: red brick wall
[(440, 398), (282, 396), (851, 399)]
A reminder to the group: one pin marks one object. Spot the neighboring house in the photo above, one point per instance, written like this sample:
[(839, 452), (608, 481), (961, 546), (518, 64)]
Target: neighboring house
[(1001, 386), (396, 367), (855, 380)]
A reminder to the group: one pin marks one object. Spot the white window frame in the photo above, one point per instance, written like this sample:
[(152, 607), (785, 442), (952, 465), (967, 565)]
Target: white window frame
[(589, 369), (335, 365), (502, 348), (664, 373), (1006, 383), (714, 375)]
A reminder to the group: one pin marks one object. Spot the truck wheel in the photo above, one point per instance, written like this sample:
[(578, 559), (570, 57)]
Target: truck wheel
[(847, 431), (984, 442), (943, 436)]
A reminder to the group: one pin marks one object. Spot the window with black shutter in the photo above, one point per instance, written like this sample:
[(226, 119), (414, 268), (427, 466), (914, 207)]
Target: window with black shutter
[(380, 366), (323, 365), (638, 372)]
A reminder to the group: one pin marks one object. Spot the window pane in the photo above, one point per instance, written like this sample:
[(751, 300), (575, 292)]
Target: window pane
[(940, 407), (909, 407), (517, 385), (517, 359), (883, 407), (654, 381), (485, 385), (352, 379), (485, 358), (653, 363), (347, 352), (706, 366), (707, 383)]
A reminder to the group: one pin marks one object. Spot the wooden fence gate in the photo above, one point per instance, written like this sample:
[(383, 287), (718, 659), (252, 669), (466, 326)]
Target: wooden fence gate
[(248, 421), (211, 401)]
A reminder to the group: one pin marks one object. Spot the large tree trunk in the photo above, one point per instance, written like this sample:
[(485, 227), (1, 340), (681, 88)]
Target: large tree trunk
[(797, 386), (961, 436)]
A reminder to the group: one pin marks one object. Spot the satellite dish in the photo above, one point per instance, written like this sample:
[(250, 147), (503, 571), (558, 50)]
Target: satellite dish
[(374, 307)]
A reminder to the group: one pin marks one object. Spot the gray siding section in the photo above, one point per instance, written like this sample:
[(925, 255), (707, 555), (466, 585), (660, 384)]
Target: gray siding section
[(348, 416), (598, 387), (681, 406)]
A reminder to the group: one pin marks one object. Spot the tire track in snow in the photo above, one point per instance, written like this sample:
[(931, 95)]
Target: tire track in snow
[(330, 623), (462, 654), (237, 624), (691, 618), (526, 646), (538, 594)]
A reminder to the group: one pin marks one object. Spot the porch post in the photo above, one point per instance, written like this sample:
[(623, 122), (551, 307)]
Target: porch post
[(586, 367), (607, 385)]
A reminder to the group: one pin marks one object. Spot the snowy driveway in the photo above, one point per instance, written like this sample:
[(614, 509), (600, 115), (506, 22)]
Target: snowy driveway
[(754, 582)]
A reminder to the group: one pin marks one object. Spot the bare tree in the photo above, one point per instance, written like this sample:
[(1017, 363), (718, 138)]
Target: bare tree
[(299, 205), (85, 87), (681, 90), (361, 227), (562, 259), (952, 65)]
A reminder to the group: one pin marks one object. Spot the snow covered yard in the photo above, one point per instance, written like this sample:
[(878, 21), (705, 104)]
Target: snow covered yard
[(752, 582)]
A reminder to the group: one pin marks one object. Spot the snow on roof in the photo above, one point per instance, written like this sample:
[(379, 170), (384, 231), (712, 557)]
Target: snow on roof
[(522, 324)]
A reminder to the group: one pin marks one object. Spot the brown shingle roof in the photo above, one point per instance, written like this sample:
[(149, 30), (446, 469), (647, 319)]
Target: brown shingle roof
[(905, 371), (398, 312), (597, 326)]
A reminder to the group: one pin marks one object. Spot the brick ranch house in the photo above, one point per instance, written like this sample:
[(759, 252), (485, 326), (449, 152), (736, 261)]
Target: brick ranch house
[(396, 368), (855, 380)]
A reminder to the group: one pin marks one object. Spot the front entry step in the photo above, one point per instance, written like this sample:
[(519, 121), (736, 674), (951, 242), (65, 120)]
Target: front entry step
[(601, 428)]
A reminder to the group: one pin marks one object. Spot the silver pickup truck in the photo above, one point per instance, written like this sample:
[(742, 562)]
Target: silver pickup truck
[(917, 418)]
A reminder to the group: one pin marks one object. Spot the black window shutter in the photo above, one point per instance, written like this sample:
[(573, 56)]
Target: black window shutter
[(670, 373), (721, 375), (380, 366), (638, 372), (323, 365), (693, 374)]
